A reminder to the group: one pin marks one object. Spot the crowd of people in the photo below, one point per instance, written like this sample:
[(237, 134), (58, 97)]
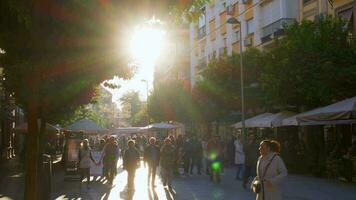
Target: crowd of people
[(185, 155)]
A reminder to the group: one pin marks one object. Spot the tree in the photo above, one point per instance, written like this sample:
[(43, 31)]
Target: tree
[(171, 101), (313, 65), (220, 84), (84, 112), (131, 104), (57, 52)]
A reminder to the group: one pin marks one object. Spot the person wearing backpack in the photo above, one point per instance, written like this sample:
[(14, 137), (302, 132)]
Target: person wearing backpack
[(271, 171)]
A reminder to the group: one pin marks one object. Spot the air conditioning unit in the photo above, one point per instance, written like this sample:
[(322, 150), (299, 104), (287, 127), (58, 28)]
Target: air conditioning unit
[(230, 10), (248, 41)]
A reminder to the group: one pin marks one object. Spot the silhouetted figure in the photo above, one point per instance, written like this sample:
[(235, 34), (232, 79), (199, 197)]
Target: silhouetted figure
[(109, 157), (251, 157), (167, 163), (197, 154), (151, 158), (131, 162)]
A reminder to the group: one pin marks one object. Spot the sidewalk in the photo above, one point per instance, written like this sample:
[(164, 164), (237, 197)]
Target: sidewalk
[(11, 180), (200, 188)]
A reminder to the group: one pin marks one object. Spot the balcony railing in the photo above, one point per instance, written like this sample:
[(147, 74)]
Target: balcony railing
[(275, 28)]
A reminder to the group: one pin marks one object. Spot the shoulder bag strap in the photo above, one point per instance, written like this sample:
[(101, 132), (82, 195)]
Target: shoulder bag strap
[(264, 174)]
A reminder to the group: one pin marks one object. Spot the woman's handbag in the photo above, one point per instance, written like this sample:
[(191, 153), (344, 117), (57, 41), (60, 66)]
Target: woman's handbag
[(257, 184)]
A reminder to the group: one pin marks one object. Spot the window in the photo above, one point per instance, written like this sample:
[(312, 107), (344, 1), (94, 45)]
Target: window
[(236, 36), (201, 20), (250, 26), (201, 25)]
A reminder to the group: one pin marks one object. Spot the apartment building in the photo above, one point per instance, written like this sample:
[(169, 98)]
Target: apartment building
[(261, 21), (346, 9), (174, 63)]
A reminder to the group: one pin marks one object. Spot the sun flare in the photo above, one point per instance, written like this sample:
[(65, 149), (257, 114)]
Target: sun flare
[(147, 44)]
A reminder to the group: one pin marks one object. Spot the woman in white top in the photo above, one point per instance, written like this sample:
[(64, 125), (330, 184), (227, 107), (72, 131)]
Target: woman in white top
[(85, 158), (270, 171), (239, 157)]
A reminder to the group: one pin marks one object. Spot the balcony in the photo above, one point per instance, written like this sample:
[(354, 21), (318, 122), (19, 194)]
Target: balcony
[(201, 32), (275, 29)]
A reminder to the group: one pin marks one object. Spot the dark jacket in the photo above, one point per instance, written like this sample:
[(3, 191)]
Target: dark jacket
[(251, 154), (167, 156), (131, 159), (152, 155)]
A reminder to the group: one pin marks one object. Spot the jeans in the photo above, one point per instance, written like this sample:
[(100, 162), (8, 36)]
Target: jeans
[(196, 161), (151, 174), (239, 172), (250, 171)]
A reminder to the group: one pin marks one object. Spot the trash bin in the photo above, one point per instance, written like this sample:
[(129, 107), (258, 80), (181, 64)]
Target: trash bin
[(47, 176)]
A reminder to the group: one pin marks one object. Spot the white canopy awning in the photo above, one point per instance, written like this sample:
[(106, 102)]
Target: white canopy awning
[(251, 122), (343, 112), (274, 120), (127, 130), (87, 126), (161, 125)]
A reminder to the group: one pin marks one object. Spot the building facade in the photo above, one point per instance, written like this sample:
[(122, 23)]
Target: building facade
[(261, 21), (174, 63)]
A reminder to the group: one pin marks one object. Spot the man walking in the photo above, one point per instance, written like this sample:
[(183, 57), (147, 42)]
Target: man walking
[(109, 158), (197, 155), (151, 158), (251, 157), (131, 162)]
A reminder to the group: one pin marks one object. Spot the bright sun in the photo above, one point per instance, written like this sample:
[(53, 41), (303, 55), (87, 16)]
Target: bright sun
[(147, 44)]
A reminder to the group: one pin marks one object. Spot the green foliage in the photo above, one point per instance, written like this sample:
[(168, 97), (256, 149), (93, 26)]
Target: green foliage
[(313, 65), (171, 101), (130, 101), (84, 112), (220, 86)]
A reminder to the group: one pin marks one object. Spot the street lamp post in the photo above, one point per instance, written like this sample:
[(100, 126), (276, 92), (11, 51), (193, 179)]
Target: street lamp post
[(233, 20), (145, 81)]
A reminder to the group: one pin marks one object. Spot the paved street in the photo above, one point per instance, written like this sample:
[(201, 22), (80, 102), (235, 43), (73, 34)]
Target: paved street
[(186, 188), (200, 188)]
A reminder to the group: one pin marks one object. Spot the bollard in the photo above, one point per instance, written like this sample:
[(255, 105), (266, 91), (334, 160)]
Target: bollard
[(47, 176)]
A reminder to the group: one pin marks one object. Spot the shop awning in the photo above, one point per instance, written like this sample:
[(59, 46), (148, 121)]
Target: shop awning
[(50, 129), (87, 126), (343, 112), (161, 125), (251, 122), (274, 120), (127, 130)]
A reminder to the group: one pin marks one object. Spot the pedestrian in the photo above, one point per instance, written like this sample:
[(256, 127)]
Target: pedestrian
[(214, 158), (187, 155), (270, 172), (151, 158), (239, 157), (251, 157), (167, 163), (109, 157), (197, 155), (131, 161), (85, 158)]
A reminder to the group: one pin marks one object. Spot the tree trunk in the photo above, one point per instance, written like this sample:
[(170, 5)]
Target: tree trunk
[(31, 189), (40, 168)]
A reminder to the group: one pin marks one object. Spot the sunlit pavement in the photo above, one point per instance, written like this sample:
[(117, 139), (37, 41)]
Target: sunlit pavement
[(200, 188)]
